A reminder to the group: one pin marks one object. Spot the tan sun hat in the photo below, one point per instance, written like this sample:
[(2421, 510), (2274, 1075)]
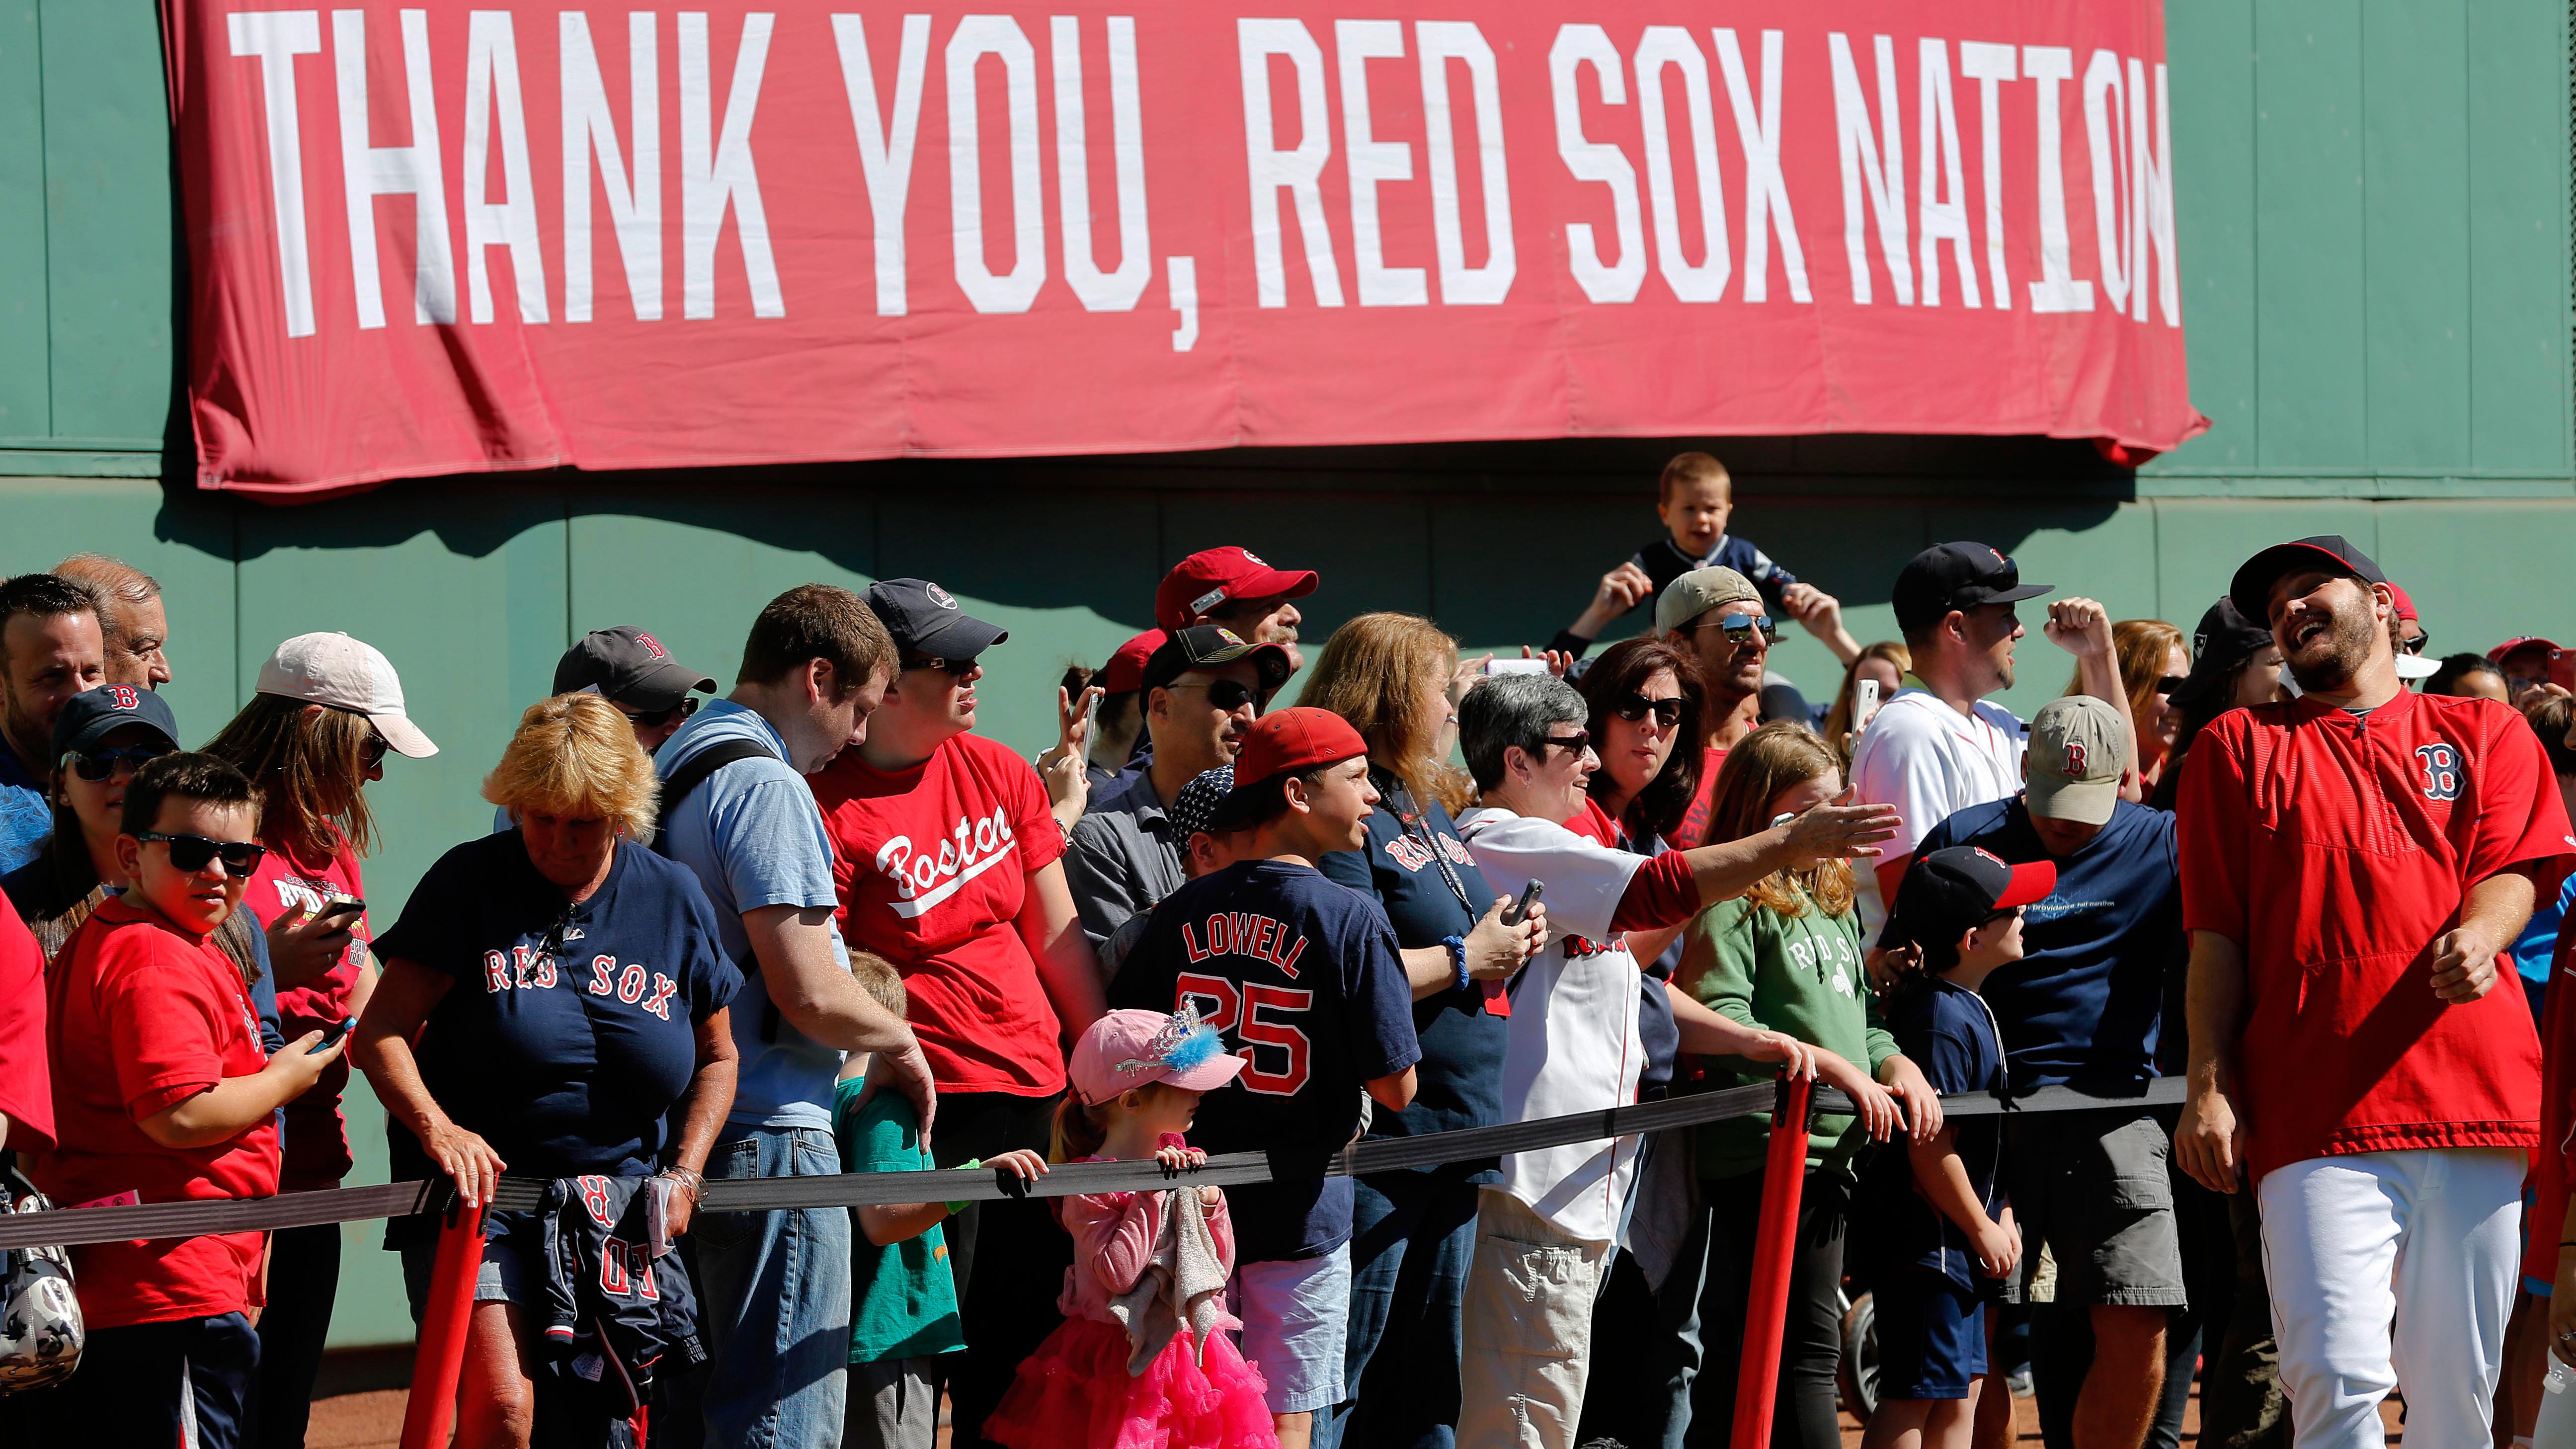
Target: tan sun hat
[(343, 673), (2078, 748)]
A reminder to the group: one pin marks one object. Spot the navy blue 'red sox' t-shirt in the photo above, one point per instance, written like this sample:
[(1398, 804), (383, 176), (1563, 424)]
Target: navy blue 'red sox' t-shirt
[(1301, 978), (569, 1030)]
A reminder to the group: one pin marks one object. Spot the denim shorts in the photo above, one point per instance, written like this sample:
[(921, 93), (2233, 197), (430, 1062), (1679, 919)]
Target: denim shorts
[(1296, 1326), (512, 1270)]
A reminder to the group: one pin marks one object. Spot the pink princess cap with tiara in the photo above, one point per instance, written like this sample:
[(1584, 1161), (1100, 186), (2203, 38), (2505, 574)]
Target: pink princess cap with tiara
[(1125, 1050)]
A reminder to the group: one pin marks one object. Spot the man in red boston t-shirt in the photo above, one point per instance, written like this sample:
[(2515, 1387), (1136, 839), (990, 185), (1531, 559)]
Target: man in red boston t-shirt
[(2353, 863), (950, 865)]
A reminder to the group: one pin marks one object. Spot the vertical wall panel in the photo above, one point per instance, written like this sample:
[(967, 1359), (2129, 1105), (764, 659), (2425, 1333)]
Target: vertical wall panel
[(2211, 79), (108, 219), (2416, 231), (2518, 278), (2309, 224), (25, 389)]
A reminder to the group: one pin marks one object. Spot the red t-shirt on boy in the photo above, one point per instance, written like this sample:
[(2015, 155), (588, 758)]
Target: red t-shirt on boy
[(142, 1016)]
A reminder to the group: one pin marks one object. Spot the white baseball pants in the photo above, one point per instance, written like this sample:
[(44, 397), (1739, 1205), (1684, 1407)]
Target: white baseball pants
[(2391, 1268)]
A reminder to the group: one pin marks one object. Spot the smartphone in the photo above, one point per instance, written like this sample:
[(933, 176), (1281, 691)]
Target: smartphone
[(331, 1035), (345, 908), (1518, 911), (1864, 702), (1516, 666), (1090, 720)]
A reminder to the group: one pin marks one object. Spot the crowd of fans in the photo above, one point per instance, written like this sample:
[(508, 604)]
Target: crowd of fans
[(819, 925)]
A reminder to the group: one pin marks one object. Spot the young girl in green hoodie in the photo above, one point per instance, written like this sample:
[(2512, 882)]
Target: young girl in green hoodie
[(1787, 956)]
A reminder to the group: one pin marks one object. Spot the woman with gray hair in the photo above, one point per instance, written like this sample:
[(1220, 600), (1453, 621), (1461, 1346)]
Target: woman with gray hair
[(1573, 1042)]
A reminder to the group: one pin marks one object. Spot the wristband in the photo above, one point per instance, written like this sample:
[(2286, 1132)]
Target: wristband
[(1457, 957), (969, 1165)]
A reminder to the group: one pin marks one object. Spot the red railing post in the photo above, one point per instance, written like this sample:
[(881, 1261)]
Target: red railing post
[(1775, 1241), (430, 1415)]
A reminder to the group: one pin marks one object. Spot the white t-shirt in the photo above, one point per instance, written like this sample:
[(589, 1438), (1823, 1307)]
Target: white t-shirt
[(1930, 762), (1571, 1044)]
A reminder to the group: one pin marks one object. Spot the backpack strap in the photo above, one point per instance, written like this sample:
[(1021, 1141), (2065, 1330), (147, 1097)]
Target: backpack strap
[(681, 783)]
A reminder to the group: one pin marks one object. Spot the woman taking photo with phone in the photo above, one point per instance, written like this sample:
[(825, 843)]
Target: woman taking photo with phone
[(553, 1005), (1391, 675), (326, 711)]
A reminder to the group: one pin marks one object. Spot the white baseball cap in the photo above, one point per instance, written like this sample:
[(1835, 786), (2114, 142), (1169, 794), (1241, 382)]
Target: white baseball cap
[(343, 673)]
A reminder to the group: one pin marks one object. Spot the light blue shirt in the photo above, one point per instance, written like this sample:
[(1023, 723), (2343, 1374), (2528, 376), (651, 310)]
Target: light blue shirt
[(2540, 939), (755, 837), (25, 819)]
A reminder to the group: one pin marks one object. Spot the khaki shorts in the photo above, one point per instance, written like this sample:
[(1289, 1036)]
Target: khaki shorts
[(2096, 1188)]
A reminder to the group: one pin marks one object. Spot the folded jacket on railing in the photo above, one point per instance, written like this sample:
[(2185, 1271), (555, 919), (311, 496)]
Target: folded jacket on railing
[(1234, 1169)]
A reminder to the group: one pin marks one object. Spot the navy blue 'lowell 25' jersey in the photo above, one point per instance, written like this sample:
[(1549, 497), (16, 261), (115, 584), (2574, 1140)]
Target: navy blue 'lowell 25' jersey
[(1301, 977)]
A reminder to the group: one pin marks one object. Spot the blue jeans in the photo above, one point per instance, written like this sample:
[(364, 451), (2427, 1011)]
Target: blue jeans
[(1412, 1237), (775, 1290)]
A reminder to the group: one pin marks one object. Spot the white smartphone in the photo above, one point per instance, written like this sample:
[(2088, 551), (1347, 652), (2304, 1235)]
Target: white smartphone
[(1864, 703), (1090, 718), (1516, 666)]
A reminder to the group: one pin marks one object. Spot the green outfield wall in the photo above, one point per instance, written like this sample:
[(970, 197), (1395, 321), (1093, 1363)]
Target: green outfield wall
[(2373, 205)]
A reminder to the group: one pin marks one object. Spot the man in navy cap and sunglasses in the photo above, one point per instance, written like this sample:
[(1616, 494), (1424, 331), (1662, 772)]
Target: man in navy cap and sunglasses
[(1201, 690), (1940, 745)]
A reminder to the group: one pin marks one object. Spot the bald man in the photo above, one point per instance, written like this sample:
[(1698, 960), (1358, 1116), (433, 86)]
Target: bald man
[(130, 617)]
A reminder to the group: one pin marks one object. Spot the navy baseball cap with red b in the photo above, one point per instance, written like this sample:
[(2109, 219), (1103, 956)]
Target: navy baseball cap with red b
[(630, 667), (1283, 742), (93, 714), (1214, 577), (1962, 575), (2251, 589)]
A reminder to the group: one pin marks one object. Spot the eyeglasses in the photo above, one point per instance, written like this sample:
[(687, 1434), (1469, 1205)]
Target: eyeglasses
[(655, 719), (1740, 628), (1667, 712), (191, 852), (1227, 695), (958, 668), (1573, 744), (97, 765)]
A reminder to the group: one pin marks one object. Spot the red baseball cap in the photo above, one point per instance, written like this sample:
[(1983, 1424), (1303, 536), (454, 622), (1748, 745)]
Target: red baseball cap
[(1213, 576), (1125, 671), (1279, 743), (2405, 603), (2523, 641)]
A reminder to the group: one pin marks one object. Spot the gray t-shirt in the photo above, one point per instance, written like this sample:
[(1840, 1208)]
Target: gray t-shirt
[(754, 836)]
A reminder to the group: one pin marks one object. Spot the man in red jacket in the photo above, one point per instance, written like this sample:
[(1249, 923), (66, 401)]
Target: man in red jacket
[(2353, 863)]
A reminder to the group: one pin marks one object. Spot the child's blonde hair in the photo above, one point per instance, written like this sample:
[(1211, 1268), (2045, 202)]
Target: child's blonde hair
[(883, 984), (1082, 1130)]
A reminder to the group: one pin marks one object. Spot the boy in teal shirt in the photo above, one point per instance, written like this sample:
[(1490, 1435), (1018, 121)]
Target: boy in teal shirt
[(903, 1309)]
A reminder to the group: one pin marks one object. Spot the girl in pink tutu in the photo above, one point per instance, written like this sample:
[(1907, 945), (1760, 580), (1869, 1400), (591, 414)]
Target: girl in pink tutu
[(1146, 1357)]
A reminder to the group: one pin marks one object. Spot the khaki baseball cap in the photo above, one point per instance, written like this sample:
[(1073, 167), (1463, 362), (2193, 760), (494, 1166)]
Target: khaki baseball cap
[(2077, 746), (341, 673), (1700, 590)]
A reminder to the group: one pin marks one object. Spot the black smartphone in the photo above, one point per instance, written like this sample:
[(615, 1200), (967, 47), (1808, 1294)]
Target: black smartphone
[(1519, 910), (331, 1035), (349, 906)]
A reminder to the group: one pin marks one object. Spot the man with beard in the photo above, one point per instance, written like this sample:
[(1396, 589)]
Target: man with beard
[(51, 648), (1716, 615), (1201, 690), (1940, 745), (2353, 862)]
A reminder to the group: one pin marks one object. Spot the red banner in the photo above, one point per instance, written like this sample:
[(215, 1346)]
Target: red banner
[(448, 239)]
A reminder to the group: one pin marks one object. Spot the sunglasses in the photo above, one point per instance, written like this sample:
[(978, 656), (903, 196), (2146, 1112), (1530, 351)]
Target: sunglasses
[(2416, 644), (1226, 695), (191, 852), (1573, 744), (1667, 712), (655, 719), (372, 753), (2169, 683), (1741, 628), (97, 765), (957, 668)]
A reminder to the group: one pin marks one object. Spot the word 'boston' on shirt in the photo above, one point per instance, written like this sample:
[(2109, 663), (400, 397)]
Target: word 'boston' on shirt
[(567, 1030), (1300, 977)]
